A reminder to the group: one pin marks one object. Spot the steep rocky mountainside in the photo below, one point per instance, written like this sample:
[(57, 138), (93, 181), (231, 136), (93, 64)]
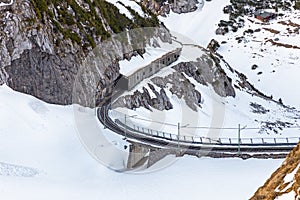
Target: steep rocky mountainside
[(206, 70), (44, 42), (163, 7), (284, 182)]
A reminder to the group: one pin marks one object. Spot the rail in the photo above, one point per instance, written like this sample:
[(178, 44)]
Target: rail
[(282, 141)]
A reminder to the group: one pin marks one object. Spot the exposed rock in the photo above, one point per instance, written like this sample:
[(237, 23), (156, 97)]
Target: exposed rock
[(228, 9), (40, 55), (274, 127), (42, 75), (163, 7), (248, 87), (213, 45), (181, 87), (208, 71), (184, 6), (158, 7), (258, 109), (143, 99), (285, 180), (254, 67), (222, 30)]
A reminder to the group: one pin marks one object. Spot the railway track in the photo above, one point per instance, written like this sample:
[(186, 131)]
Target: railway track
[(214, 148)]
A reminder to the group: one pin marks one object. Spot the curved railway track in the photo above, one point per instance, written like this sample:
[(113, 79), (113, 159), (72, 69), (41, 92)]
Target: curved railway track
[(217, 148)]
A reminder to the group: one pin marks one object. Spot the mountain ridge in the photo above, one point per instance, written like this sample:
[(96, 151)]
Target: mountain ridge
[(43, 42)]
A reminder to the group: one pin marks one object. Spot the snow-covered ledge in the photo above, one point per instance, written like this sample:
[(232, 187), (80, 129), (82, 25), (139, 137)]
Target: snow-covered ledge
[(7, 4)]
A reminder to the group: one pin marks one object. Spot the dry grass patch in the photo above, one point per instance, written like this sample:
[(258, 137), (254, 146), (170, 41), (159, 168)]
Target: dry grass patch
[(278, 44), (289, 23), (275, 185), (272, 30)]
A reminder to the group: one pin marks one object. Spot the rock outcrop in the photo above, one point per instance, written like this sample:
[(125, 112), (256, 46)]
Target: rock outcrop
[(45, 44), (176, 83), (284, 182), (158, 7), (143, 99), (207, 71), (163, 7), (180, 86), (213, 45), (184, 6)]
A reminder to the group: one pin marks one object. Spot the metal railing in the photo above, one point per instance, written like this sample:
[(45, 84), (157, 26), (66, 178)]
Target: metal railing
[(280, 141)]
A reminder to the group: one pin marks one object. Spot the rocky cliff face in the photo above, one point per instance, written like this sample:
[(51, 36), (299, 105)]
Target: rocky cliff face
[(206, 70), (143, 99), (43, 44), (176, 83), (184, 6), (205, 73), (284, 182), (163, 7)]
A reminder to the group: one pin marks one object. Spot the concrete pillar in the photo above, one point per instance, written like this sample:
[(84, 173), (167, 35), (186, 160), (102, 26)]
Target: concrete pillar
[(137, 156)]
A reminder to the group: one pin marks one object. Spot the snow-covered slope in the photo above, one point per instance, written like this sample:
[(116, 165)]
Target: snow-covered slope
[(41, 156), (121, 5), (42, 138), (276, 78), (263, 116), (14, 170), (278, 69)]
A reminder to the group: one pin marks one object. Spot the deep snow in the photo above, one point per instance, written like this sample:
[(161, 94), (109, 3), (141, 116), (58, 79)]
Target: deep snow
[(41, 156), (43, 137), (278, 64)]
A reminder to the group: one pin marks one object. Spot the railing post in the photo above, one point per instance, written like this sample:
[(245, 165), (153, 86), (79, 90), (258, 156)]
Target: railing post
[(125, 126), (178, 127), (104, 120), (239, 142)]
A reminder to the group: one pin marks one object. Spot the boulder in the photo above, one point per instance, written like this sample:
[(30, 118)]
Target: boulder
[(213, 45)]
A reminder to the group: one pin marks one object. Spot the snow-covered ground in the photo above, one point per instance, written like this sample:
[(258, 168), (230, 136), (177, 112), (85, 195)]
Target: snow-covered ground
[(276, 76), (128, 67), (42, 157), (40, 148), (123, 10), (216, 112), (278, 65)]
